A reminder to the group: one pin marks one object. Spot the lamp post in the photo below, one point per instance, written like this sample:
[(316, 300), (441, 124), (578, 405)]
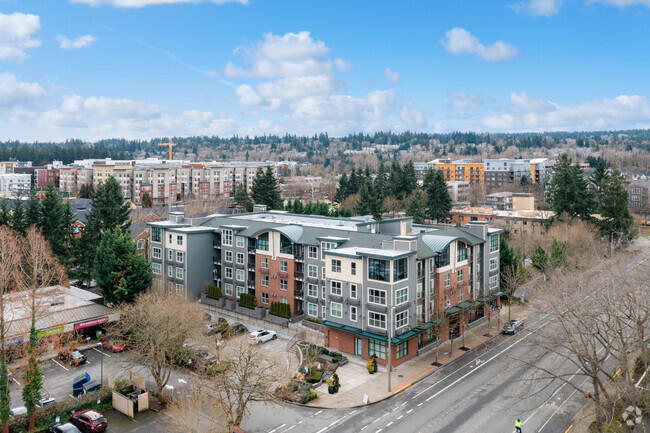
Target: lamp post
[(390, 328)]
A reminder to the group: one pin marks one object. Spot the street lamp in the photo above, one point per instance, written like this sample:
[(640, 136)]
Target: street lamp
[(391, 310)]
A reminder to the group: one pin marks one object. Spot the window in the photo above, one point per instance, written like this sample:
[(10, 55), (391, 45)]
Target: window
[(312, 290), (462, 252), (262, 242), (460, 296), (494, 282), (353, 268), (179, 240), (401, 319), (312, 252), (312, 271), (494, 264), (264, 280), (286, 246), (156, 253), (240, 258), (240, 241), (324, 270), (377, 296), (264, 262), (353, 291), (401, 296), (376, 320), (226, 237), (494, 243), (420, 290), (179, 256), (284, 267), (461, 275), (228, 288), (228, 272), (265, 298), (336, 309), (312, 310), (155, 268), (442, 259), (377, 348), (336, 266), (400, 268), (378, 270), (170, 255), (179, 289), (283, 300), (156, 234), (402, 349), (336, 288), (448, 300), (240, 275), (447, 280), (327, 246), (170, 271), (179, 273), (324, 292), (353, 313), (240, 290), (229, 256), (283, 284)]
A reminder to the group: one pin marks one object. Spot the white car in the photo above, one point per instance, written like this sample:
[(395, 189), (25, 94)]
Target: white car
[(261, 336)]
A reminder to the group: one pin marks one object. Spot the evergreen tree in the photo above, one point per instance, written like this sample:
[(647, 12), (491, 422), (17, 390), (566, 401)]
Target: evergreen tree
[(146, 200), (5, 215), (598, 179), (342, 191), (33, 211), (507, 256), (568, 193), (5, 393), (369, 202), (395, 181), (558, 253), (297, 206), (438, 199), (417, 206), (122, 273), (18, 217), (87, 190), (243, 199), (381, 180), (32, 375), (540, 259), (616, 222), (356, 180), (265, 189), (56, 221), (408, 180)]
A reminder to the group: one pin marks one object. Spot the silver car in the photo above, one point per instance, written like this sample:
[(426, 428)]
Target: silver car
[(512, 327)]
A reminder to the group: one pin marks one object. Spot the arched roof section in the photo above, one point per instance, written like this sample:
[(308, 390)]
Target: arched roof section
[(291, 232)]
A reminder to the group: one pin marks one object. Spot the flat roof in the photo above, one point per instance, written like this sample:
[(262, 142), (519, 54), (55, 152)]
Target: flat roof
[(304, 220)]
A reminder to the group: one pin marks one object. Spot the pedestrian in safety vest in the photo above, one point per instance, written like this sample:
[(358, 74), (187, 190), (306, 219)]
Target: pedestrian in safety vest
[(518, 425)]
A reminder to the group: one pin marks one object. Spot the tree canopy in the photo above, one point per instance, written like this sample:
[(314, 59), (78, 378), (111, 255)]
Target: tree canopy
[(265, 189)]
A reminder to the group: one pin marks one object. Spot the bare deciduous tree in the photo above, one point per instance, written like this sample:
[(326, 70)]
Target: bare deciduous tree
[(197, 410)]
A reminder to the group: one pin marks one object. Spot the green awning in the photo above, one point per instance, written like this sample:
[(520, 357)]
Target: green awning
[(452, 310), (499, 293), (467, 305), (486, 299), (405, 336), (355, 331), (373, 336)]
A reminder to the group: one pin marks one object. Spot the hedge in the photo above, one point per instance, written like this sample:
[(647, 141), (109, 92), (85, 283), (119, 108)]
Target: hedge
[(280, 309), (46, 416), (316, 377), (247, 300), (214, 292)]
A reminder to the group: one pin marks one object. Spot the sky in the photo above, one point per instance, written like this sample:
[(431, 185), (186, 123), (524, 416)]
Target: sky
[(94, 69)]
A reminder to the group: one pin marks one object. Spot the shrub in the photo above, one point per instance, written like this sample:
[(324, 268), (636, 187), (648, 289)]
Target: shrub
[(247, 300), (280, 309), (315, 377), (214, 292), (311, 319), (312, 395), (302, 369)]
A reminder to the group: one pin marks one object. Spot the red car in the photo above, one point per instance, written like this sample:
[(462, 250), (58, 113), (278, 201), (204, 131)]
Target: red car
[(89, 421), (115, 347)]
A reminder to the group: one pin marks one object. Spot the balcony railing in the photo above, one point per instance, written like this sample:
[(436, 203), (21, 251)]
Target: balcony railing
[(264, 271), (216, 244), (299, 275), (298, 293), (283, 274)]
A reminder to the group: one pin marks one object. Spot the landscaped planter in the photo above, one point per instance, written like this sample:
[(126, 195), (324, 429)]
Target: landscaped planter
[(230, 304)]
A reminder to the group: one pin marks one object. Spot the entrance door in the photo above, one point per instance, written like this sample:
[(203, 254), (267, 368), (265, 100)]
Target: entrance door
[(358, 346)]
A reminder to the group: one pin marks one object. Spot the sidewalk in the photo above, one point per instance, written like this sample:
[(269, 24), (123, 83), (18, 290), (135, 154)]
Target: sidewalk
[(357, 383)]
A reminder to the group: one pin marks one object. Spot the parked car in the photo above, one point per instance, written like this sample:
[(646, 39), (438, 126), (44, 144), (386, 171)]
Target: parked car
[(512, 327), (238, 328), (89, 421), (63, 428), (17, 410), (113, 346), (261, 336), (73, 357), (212, 328), (46, 400)]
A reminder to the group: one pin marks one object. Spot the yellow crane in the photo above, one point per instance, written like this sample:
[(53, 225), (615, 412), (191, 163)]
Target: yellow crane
[(170, 144)]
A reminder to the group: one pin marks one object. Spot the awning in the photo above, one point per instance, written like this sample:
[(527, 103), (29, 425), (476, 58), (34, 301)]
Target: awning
[(452, 310), (499, 293), (467, 305), (355, 331), (405, 336)]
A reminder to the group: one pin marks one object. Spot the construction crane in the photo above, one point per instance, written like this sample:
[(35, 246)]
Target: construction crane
[(170, 144)]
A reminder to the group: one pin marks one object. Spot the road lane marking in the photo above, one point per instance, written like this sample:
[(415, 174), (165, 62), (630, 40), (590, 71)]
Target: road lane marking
[(57, 363), (421, 404), (364, 427), (290, 428), (560, 406), (105, 354), (389, 424), (353, 412), (400, 417), (318, 412), (277, 428), (409, 411)]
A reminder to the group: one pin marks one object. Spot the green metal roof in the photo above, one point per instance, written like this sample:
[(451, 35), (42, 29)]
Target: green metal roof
[(404, 337), (466, 305), (452, 310)]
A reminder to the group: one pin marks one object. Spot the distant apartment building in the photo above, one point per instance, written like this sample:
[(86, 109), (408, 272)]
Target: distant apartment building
[(515, 223), (362, 278), (510, 201), (15, 183), (639, 197), (46, 176), (72, 178), (8, 167), (505, 171), (458, 191)]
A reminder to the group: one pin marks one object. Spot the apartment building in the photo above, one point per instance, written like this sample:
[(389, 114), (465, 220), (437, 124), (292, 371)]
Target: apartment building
[(498, 172), (639, 197), (15, 183), (516, 223), (365, 280), (510, 201), (72, 178)]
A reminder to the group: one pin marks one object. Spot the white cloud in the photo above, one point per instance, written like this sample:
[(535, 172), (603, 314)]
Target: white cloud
[(526, 114), (622, 3), (544, 8), (16, 31), (143, 3), (392, 75), (343, 65), (459, 40), (465, 101), (16, 94), (412, 117), (76, 43)]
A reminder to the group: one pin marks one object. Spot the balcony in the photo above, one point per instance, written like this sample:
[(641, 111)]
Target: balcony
[(353, 301), (299, 256), (216, 260), (216, 244), (300, 276), (251, 267), (298, 293), (264, 271), (251, 284), (283, 274)]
